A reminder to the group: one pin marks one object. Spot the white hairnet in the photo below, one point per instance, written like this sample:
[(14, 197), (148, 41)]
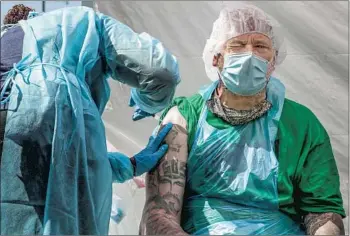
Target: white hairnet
[(236, 21)]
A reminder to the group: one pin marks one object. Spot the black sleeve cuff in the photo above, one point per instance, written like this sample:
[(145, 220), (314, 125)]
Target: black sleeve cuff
[(133, 162)]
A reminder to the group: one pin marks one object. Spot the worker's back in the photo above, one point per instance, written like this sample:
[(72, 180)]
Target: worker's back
[(55, 174)]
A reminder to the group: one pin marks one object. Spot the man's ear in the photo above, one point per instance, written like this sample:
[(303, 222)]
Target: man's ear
[(216, 60)]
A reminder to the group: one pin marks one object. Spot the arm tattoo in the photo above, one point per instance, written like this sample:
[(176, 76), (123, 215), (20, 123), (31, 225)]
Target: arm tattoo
[(324, 224), (165, 187)]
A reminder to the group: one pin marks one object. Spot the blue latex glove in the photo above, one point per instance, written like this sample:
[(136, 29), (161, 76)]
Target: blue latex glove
[(138, 113), (148, 158)]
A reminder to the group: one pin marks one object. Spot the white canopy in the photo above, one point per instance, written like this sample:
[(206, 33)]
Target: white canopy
[(315, 71)]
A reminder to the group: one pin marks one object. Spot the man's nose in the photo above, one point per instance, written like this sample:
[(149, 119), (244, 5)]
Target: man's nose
[(249, 48)]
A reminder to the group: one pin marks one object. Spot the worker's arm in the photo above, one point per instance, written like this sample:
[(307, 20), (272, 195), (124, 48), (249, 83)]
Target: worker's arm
[(324, 224), (140, 61), (166, 184), (124, 169)]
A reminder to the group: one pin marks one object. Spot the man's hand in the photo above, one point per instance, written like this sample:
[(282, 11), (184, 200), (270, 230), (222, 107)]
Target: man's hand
[(324, 224)]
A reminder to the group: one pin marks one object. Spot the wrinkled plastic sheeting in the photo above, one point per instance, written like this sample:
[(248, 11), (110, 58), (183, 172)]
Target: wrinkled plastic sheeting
[(131, 202)]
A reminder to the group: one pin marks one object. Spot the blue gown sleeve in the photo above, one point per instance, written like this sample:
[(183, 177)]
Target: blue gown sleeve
[(140, 61), (122, 169)]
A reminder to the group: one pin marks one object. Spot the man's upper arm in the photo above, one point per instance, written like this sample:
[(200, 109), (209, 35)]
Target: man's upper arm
[(319, 185), (166, 184), (320, 197)]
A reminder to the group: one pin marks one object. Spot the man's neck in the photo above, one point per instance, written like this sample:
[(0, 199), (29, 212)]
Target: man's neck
[(239, 102)]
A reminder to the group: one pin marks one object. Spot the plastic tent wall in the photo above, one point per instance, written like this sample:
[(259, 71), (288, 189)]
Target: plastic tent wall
[(315, 71)]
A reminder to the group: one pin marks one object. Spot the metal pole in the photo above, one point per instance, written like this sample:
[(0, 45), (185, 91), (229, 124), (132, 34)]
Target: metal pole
[(43, 6), (88, 3)]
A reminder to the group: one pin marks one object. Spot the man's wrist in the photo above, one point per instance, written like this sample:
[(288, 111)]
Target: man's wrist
[(133, 163), (324, 224)]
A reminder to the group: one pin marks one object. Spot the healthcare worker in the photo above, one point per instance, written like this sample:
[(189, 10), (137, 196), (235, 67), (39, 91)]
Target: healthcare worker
[(242, 158), (56, 174)]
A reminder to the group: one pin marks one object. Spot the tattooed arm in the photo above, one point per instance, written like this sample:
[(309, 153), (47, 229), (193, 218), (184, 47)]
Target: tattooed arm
[(324, 224), (165, 186)]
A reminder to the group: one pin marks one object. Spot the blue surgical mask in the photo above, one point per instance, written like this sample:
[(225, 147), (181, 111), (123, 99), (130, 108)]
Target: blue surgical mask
[(244, 74)]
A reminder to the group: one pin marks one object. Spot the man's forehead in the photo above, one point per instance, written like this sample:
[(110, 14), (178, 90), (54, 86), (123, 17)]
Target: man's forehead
[(252, 36)]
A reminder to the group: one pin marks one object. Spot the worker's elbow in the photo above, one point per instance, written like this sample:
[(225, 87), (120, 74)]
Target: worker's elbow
[(159, 58), (156, 92), (171, 69)]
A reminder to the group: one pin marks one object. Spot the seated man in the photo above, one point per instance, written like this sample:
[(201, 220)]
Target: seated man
[(242, 158)]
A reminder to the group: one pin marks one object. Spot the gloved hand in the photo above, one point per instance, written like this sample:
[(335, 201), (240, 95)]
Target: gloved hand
[(148, 158), (138, 113)]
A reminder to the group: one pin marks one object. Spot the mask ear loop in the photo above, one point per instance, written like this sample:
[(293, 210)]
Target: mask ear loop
[(271, 68), (221, 86)]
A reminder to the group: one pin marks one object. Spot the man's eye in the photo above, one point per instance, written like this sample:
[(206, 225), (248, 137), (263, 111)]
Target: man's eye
[(261, 46)]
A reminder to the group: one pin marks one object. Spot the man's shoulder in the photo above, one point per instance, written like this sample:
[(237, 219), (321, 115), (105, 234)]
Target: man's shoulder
[(301, 119), (193, 100), (188, 110), (189, 106), (297, 112), (290, 105), (175, 117)]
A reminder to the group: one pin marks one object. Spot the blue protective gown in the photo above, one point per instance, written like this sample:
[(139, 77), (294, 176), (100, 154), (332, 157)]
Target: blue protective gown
[(56, 175)]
